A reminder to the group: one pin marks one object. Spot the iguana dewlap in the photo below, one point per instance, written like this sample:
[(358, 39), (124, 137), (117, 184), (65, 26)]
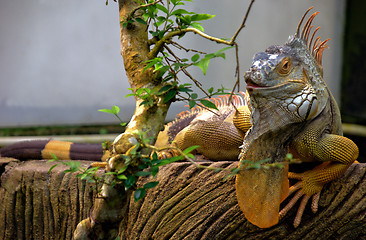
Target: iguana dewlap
[(292, 110)]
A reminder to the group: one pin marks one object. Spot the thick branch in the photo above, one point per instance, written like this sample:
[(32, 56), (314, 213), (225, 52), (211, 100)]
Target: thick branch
[(192, 203), (159, 44)]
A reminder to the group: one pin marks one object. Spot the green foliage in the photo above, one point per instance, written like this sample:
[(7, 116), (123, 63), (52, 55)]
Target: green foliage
[(87, 174), (161, 20), (127, 176), (170, 17), (204, 62), (114, 111)]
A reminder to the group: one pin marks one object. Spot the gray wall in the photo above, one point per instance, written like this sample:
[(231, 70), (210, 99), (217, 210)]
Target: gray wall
[(60, 60)]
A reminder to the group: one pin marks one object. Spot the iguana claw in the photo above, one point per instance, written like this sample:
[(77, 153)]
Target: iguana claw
[(305, 198)]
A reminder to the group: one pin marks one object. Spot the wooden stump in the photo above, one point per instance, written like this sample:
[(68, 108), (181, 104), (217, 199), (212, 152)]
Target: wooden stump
[(188, 203), (37, 205)]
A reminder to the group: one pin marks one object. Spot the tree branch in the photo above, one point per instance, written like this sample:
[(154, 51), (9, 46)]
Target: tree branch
[(142, 6), (243, 23), (159, 44)]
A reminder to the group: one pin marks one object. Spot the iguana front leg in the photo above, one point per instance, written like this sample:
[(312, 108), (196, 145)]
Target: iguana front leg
[(337, 153)]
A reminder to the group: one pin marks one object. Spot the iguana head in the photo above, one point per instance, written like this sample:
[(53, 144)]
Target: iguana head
[(289, 77)]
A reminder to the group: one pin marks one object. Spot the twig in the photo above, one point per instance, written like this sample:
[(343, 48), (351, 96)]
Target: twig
[(177, 45), (200, 105), (243, 23), (142, 6)]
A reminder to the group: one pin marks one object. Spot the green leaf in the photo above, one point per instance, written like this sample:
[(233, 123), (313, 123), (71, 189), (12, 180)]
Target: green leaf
[(139, 194), (170, 160), (54, 157), (254, 166), (162, 8), (149, 65), (201, 17), (92, 170), (121, 177), (203, 64), (184, 89), (130, 181), (155, 169), (192, 103), (162, 71), (73, 165), (187, 19), (106, 110), (194, 96), (195, 57), (142, 174), (190, 149), (208, 104), (155, 156), (170, 94), (198, 26), (289, 156), (180, 12), (140, 20), (51, 168), (115, 109), (123, 169), (150, 185)]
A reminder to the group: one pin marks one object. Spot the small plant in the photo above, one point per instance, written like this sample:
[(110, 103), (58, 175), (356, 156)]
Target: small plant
[(114, 111)]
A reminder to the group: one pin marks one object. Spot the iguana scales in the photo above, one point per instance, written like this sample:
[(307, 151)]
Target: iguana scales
[(291, 110)]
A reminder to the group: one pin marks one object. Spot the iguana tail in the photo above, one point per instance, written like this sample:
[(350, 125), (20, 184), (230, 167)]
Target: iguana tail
[(43, 149)]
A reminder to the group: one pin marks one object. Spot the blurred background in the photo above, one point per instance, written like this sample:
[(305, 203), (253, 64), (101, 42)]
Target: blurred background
[(60, 61)]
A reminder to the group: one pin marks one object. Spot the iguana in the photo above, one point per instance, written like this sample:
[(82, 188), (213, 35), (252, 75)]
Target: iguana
[(292, 109)]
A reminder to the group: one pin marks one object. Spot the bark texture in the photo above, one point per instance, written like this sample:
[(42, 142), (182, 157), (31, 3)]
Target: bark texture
[(189, 203), (37, 205)]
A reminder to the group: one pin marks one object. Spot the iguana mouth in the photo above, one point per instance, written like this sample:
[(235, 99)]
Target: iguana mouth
[(250, 83), (253, 85)]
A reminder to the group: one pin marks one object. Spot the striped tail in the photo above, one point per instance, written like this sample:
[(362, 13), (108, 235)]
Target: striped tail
[(43, 149)]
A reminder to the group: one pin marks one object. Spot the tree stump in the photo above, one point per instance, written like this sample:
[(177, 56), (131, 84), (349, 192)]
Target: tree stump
[(188, 203), (37, 205)]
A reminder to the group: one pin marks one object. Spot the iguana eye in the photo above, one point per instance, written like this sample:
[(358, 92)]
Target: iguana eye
[(285, 66)]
